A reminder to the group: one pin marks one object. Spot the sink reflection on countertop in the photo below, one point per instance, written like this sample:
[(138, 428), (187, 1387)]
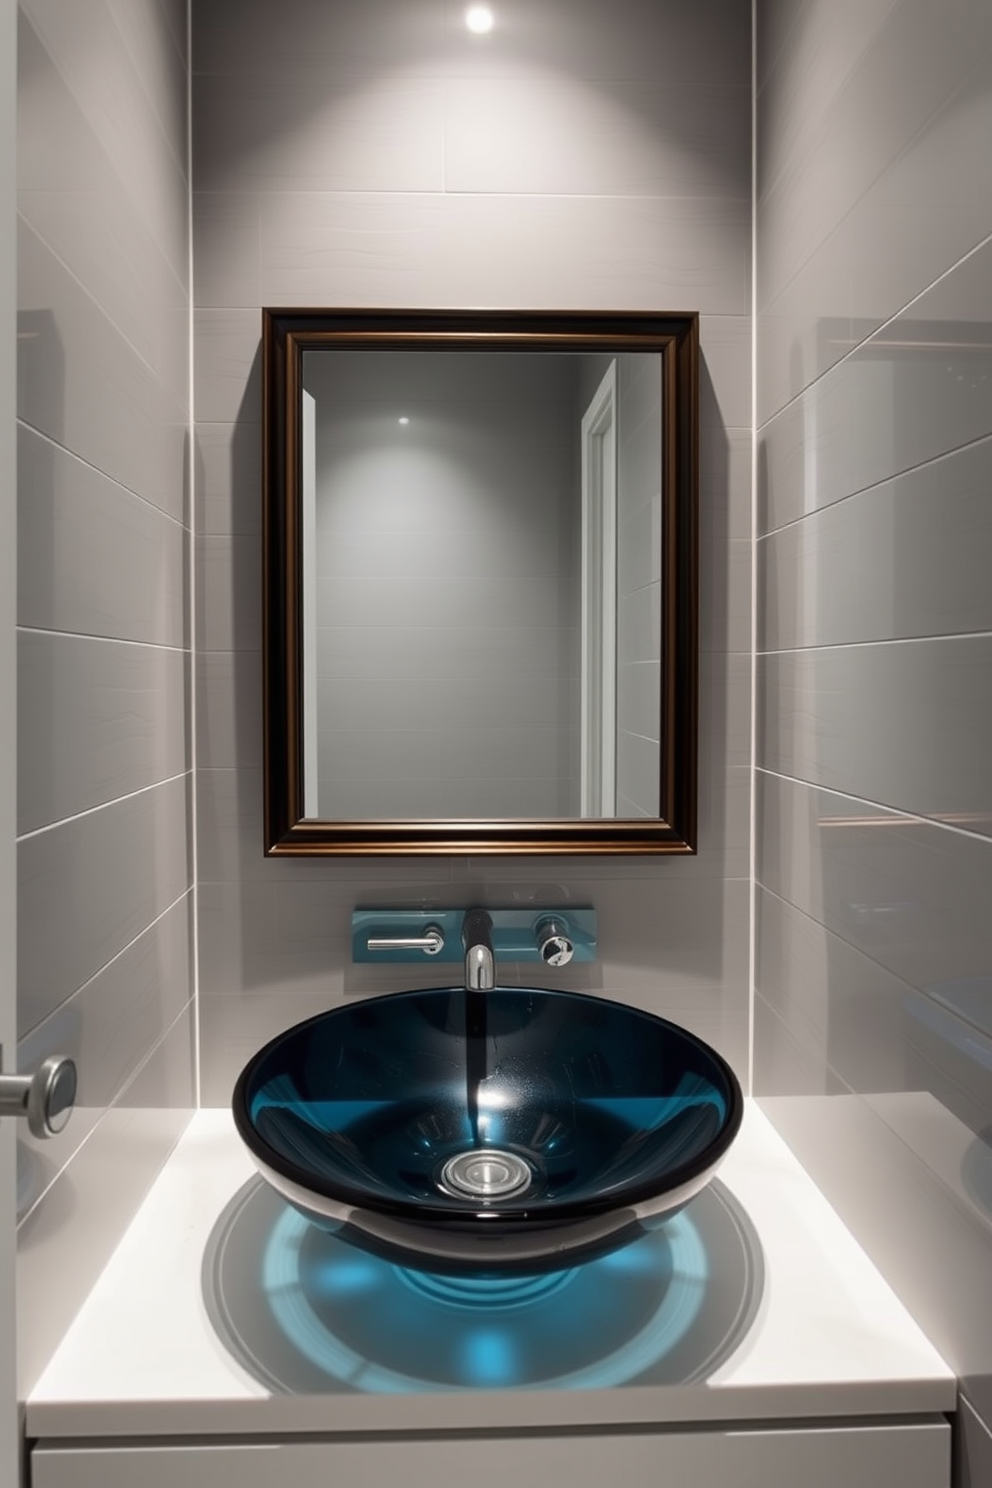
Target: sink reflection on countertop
[(303, 1311)]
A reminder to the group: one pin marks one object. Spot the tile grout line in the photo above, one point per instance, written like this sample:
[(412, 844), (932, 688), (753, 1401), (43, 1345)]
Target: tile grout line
[(887, 815), (884, 325), (107, 640), (876, 485), (101, 970), (193, 570), (920, 640), (103, 806), (103, 474)]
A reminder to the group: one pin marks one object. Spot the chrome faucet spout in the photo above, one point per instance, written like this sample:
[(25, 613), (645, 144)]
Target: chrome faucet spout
[(480, 959)]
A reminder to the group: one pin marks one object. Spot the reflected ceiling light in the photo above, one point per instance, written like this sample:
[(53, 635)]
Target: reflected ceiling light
[(479, 19), (404, 419)]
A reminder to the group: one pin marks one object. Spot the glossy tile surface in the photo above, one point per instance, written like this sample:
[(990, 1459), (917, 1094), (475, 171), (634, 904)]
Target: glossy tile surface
[(110, 1027), (905, 892), (105, 861), (90, 558), (96, 1195), (875, 123), (103, 877), (568, 137), (917, 389), (903, 724), (113, 714), (874, 795), (540, 250), (919, 1219), (907, 558)]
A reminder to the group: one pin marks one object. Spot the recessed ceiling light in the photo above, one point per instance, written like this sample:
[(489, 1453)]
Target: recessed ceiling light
[(479, 19), (404, 419)]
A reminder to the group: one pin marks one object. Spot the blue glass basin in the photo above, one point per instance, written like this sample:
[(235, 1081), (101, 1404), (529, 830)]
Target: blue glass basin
[(513, 1129)]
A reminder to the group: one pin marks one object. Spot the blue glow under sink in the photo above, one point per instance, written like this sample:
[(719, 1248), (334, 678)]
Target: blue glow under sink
[(513, 1129)]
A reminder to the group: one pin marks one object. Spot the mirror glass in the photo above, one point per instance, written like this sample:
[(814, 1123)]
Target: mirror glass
[(480, 582)]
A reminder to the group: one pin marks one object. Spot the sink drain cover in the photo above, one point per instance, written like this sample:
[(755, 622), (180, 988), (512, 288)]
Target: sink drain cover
[(486, 1173)]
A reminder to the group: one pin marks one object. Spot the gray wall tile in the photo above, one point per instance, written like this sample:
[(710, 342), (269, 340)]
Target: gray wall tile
[(872, 1028), (109, 1027), (725, 342), (725, 587), (837, 1003), (905, 892), (565, 37), (91, 557), (94, 1198), (175, 12), (105, 867), (72, 198), (379, 133), (549, 137), (96, 720), (559, 251), (101, 878), (907, 558), (904, 724), (785, 1063), (115, 100), (934, 213), (228, 593), (147, 28), (228, 478), (227, 248), (228, 367), (114, 413), (917, 389), (229, 709), (933, 1250)]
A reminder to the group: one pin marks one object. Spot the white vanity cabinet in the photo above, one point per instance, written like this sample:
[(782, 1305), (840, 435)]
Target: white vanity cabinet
[(825, 1381), (916, 1454)]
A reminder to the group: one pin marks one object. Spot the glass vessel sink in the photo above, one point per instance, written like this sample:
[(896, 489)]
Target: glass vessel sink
[(511, 1129)]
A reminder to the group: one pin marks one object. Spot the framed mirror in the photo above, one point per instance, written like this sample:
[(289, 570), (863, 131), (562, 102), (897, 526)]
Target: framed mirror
[(480, 581)]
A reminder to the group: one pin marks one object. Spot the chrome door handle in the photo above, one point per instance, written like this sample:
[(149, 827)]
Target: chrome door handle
[(46, 1098)]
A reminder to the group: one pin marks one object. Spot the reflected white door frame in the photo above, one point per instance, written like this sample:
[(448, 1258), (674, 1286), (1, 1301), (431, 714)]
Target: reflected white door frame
[(598, 739), (311, 798)]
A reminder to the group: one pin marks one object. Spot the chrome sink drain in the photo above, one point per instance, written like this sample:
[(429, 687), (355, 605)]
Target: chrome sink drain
[(486, 1173)]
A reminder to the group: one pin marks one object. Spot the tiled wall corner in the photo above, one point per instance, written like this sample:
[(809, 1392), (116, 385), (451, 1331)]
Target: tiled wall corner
[(104, 665), (873, 1004)]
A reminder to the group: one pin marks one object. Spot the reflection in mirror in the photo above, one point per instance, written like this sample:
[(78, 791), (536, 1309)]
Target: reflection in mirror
[(483, 585), (480, 582)]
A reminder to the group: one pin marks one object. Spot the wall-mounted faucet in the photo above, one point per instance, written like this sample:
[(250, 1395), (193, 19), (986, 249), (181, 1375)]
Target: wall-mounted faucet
[(476, 936), (480, 958)]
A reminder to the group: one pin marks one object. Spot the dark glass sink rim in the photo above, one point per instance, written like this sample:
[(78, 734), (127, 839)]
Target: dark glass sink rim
[(454, 1210)]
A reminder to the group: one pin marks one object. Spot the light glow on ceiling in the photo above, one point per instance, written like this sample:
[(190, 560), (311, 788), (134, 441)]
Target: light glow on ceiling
[(479, 19)]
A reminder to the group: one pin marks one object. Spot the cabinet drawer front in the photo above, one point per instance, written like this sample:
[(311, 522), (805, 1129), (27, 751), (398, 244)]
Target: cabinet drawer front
[(913, 1455)]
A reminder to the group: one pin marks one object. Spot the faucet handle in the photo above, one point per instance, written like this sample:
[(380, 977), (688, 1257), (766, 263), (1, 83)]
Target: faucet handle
[(554, 943)]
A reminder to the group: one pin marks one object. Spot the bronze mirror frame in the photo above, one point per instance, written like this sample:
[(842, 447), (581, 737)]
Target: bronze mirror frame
[(286, 335)]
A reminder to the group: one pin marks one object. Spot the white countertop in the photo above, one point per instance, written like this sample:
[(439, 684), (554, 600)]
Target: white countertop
[(196, 1327)]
